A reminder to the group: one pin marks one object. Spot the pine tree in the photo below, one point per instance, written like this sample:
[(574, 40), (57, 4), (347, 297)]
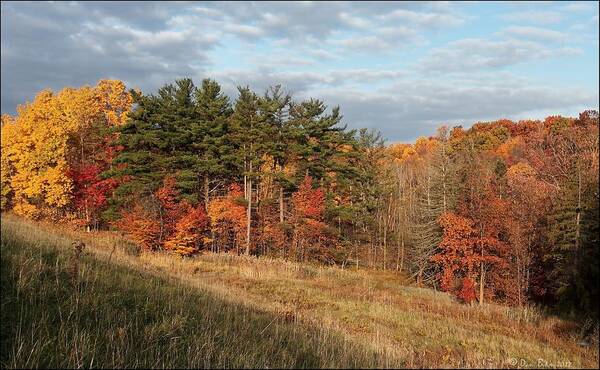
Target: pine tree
[(156, 142), (215, 157), (319, 141), (251, 141), (274, 110)]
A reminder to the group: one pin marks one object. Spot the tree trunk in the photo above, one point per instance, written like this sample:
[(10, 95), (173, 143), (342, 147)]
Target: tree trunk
[(428, 187), (578, 211), (527, 284), (162, 225), (294, 243), (206, 190), (87, 218), (249, 213), (481, 280), (444, 175), (82, 153), (402, 254), (249, 199), (384, 246), (281, 205)]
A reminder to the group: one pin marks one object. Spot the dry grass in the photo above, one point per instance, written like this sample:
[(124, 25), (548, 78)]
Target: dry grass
[(386, 322)]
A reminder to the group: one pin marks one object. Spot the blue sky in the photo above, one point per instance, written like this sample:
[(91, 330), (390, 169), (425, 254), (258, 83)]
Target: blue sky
[(401, 67)]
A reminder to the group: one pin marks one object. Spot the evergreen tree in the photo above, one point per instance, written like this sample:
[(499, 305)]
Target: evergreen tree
[(319, 141), (214, 153), (155, 142), (250, 141), (274, 109)]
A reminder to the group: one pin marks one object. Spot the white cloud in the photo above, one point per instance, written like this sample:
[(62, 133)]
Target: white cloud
[(327, 50), (535, 33), (578, 7), (364, 43), (467, 55), (245, 30), (353, 21), (414, 107), (323, 54), (207, 11), (535, 16), (282, 61), (424, 19), (400, 33)]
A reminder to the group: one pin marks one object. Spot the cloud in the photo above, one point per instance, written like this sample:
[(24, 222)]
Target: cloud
[(56, 45), (423, 19), (534, 16), (354, 21), (579, 7), (302, 82), (365, 43), (365, 75), (410, 108), (283, 61), (404, 106), (381, 24), (261, 78), (71, 43), (356, 54), (473, 54), (542, 34), (245, 30), (323, 54)]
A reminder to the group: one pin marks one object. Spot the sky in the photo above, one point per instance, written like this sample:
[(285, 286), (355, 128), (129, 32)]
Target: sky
[(403, 68)]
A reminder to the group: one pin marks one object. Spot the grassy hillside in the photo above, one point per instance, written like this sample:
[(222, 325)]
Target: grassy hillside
[(114, 307)]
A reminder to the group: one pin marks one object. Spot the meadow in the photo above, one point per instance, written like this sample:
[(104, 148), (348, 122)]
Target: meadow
[(113, 305)]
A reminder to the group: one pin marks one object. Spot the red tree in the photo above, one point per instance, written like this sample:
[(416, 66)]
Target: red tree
[(141, 228), (467, 291), (189, 230), (309, 202), (90, 192), (466, 253), (311, 235), (456, 254)]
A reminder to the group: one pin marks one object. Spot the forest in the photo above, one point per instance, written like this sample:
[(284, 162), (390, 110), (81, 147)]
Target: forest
[(502, 212)]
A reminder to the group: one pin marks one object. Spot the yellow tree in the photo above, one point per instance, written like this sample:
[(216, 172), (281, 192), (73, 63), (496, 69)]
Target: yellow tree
[(38, 156), (114, 101), (6, 168), (49, 137)]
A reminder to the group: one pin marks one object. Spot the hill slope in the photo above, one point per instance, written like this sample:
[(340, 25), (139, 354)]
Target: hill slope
[(112, 307)]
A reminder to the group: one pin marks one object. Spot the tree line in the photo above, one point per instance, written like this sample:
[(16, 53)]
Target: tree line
[(503, 211)]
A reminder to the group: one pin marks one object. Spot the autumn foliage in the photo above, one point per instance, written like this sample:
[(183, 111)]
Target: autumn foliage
[(189, 232), (168, 222), (467, 290), (228, 219), (311, 235), (502, 211), (53, 151), (141, 227), (457, 250)]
